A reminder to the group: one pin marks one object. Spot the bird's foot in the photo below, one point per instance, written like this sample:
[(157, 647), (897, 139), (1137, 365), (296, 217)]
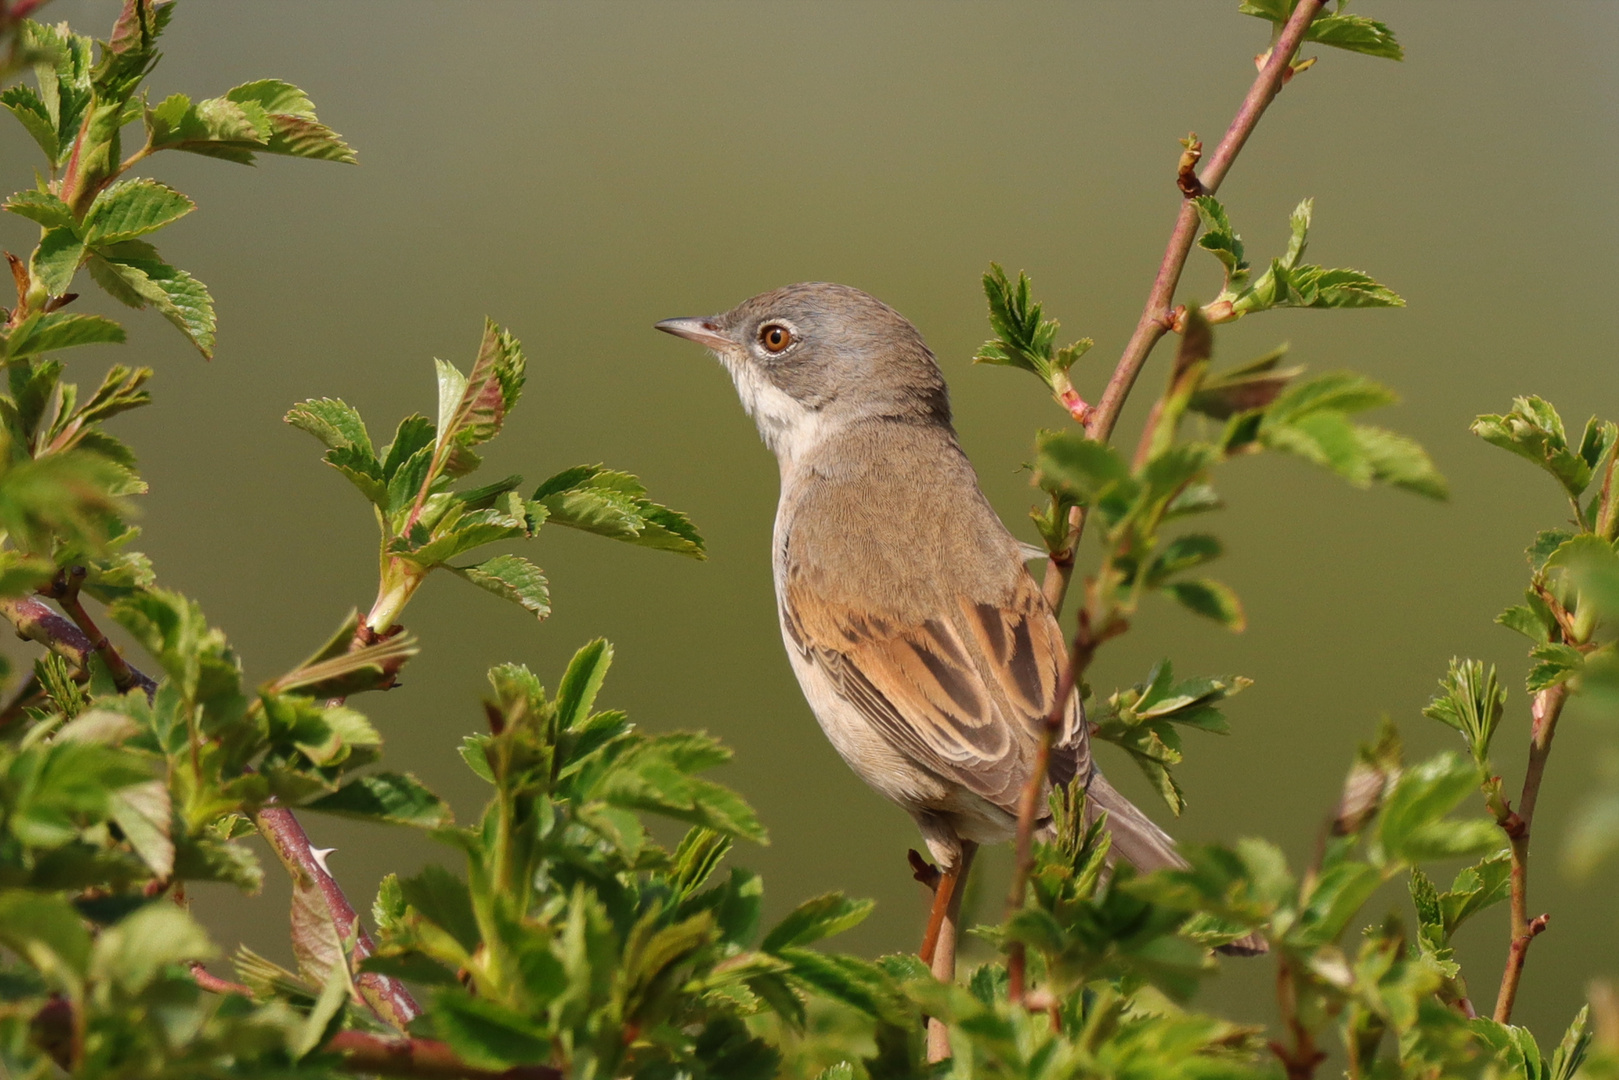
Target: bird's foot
[(922, 870)]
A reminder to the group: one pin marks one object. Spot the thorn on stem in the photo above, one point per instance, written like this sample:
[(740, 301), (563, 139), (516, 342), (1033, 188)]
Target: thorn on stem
[(58, 302)]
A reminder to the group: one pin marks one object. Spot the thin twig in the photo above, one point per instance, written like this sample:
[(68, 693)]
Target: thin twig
[(1548, 706), (1157, 317), (64, 589)]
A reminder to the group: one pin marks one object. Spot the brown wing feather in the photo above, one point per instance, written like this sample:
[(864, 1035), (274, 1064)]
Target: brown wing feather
[(963, 694)]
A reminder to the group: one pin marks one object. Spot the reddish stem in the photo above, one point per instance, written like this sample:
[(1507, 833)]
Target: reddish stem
[(1157, 318)]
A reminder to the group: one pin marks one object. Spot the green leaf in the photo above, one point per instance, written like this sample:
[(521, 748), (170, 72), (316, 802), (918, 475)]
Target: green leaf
[(1534, 432), (1181, 554), (56, 259), (442, 898), (486, 1034), (1023, 337), (1570, 1052), (45, 333), (1401, 462), (1475, 889), (133, 953), (1092, 472), (143, 814), (45, 931), (132, 208), (41, 207), (511, 577), (1356, 33), (613, 504), (1471, 700), (26, 106), (581, 683), (1554, 664), (398, 798), (293, 128), (1221, 241), (816, 919), (133, 274), (1210, 599), (1413, 826)]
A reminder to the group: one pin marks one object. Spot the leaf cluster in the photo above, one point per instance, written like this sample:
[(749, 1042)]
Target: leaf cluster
[(1287, 282), (425, 523), (577, 939)]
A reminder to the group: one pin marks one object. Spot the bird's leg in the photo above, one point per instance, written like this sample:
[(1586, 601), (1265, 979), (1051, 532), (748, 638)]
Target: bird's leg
[(939, 944)]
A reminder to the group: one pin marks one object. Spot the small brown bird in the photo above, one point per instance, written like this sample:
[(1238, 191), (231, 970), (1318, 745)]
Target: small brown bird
[(926, 650)]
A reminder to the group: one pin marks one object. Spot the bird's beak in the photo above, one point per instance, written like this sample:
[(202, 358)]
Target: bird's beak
[(703, 331)]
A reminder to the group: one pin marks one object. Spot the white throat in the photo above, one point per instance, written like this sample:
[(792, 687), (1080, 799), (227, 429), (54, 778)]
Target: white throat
[(790, 429)]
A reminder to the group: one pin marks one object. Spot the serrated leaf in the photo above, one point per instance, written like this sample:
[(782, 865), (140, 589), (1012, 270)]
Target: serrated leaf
[(813, 920), (613, 504), (45, 333), (132, 273), (41, 207), (487, 1035), (1534, 431), (1471, 700), (1355, 33), (293, 128), (513, 578), (335, 423), (1254, 385), (132, 208), (398, 798), (143, 813), (26, 106), (1555, 663)]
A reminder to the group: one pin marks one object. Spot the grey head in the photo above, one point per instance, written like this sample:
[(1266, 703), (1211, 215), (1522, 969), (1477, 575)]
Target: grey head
[(812, 358)]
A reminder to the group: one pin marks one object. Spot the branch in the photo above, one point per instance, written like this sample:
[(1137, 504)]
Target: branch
[(64, 589), (1157, 318), (387, 996), (34, 620), (1547, 708)]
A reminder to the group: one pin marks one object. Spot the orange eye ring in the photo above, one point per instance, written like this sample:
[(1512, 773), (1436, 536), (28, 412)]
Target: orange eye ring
[(775, 337)]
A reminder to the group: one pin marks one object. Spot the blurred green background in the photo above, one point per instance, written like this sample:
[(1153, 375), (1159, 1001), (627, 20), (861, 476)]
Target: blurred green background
[(578, 171)]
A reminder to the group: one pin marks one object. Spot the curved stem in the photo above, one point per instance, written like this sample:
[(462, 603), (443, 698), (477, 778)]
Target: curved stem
[(1157, 317)]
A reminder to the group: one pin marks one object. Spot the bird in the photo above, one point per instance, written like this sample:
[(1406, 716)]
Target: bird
[(928, 654)]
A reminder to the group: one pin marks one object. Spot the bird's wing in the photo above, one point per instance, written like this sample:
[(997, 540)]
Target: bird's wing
[(964, 694)]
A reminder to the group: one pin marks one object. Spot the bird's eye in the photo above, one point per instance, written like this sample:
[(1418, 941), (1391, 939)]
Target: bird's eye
[(775, 337)]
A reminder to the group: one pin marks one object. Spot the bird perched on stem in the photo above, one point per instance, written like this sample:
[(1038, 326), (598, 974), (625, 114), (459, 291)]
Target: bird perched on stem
[(924, 647)]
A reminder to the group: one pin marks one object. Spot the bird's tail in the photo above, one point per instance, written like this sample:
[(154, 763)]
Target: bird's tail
[(1147, 847), (1143, 844)]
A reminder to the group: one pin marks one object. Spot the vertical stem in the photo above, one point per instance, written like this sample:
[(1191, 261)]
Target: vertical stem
[(1548, 706)]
